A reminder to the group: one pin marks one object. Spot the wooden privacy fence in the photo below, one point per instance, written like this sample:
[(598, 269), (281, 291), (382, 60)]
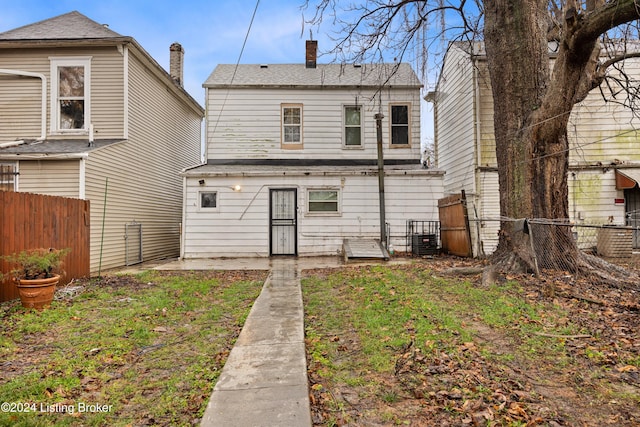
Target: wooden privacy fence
[(455, 233), (31, 221)]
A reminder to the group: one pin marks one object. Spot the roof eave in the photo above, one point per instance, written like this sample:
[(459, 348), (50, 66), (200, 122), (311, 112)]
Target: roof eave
[(48, 43), (314, 87)]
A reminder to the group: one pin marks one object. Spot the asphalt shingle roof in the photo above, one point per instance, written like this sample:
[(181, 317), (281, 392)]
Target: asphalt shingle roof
[(324, 75), (70, 26), (57, 146)]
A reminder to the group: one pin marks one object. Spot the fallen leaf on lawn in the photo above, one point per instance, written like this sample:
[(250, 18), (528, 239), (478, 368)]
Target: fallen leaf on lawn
[(160, 329)]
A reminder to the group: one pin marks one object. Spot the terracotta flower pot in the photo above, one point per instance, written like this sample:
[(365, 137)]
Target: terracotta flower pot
[(37, 293)]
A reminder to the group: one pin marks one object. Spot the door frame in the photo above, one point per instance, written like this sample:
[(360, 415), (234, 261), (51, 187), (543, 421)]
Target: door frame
[(294, 223)]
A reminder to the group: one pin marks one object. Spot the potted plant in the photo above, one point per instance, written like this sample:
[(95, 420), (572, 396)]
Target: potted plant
[(36, 273)]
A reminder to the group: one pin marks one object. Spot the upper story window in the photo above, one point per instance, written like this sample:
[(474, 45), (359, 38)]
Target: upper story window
[(8, 174), (291, 126), (70, 94), (352, 126), (400, 125)]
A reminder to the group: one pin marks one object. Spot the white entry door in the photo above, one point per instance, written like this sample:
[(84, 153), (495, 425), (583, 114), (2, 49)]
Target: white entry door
[(283, 221)]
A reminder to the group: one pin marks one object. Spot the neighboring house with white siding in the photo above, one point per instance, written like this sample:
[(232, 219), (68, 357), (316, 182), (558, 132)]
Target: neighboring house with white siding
[(291, 159), (604, 161), (87, 113)]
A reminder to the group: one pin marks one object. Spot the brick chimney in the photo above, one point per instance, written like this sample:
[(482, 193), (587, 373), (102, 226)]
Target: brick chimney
[(176, 63), (312, 53)]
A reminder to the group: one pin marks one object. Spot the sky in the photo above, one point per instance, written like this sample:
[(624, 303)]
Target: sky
[(211, 32)]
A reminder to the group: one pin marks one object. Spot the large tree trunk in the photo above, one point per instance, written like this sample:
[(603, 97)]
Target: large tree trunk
[(530, 124), (518, 63)]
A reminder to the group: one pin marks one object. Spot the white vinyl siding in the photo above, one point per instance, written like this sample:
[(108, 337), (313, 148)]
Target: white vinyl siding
[(456, 136), (246, 123), (20, 107), (50, 177), (143, 173), (107, 92), (241, 226)]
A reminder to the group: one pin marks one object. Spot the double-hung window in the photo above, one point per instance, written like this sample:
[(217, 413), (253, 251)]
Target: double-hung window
[(70, 94), (323, 201), (352, 126), (400, 135), (291, 126)]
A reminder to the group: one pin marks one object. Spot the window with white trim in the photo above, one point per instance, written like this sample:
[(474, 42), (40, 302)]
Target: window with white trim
[(291, 126), (323, 201), (70, 94), (400, 135), (8, 174), (352, 126)]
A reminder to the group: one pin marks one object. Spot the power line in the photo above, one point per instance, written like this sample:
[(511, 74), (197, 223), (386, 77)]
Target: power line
[(235, 69)]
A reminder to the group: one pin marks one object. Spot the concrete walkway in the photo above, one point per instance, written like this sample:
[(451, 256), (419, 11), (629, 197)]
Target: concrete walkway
[(264, 381)]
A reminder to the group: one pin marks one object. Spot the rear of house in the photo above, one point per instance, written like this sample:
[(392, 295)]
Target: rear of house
[(87, 113), (292, 159)]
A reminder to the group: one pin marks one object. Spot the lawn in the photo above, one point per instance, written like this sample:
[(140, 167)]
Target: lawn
[(416, 345), (412, 344), (123, 350)]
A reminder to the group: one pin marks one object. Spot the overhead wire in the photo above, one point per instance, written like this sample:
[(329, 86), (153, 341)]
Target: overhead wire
[(235, 69)]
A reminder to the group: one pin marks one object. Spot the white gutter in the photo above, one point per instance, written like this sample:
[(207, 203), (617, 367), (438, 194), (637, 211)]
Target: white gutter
[(43, 133), (11, 143)]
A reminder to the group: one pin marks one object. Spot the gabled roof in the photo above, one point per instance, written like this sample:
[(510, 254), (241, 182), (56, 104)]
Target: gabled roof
[(323, 76), (75, 29), (70, 26)]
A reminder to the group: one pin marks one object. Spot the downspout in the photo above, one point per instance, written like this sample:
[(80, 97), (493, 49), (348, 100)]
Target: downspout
[(43, 78), (183, 228), (83, 182), (125, 62)]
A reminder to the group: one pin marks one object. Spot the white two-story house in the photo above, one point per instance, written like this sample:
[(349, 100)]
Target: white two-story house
[(292, 159)]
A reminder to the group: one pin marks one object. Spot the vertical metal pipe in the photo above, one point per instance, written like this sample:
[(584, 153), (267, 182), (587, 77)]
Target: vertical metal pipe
[(383, 231)]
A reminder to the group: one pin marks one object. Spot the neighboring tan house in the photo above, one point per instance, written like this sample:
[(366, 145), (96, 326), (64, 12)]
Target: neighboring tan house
[(604, 161), (292, 155), (86, 113)]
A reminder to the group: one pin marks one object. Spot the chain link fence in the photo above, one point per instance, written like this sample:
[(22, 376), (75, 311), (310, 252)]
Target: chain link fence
[(578, 250)]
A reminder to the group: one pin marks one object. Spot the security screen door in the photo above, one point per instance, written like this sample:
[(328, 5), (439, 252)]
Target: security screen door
[(283, 221)]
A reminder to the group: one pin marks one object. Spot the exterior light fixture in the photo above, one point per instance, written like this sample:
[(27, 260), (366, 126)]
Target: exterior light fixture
[(237, 188)]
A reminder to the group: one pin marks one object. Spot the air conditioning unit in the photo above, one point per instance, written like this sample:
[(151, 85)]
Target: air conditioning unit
[(424, 244)]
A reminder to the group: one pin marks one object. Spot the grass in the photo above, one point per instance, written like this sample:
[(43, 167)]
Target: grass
[(365, 325), (149, 350)]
